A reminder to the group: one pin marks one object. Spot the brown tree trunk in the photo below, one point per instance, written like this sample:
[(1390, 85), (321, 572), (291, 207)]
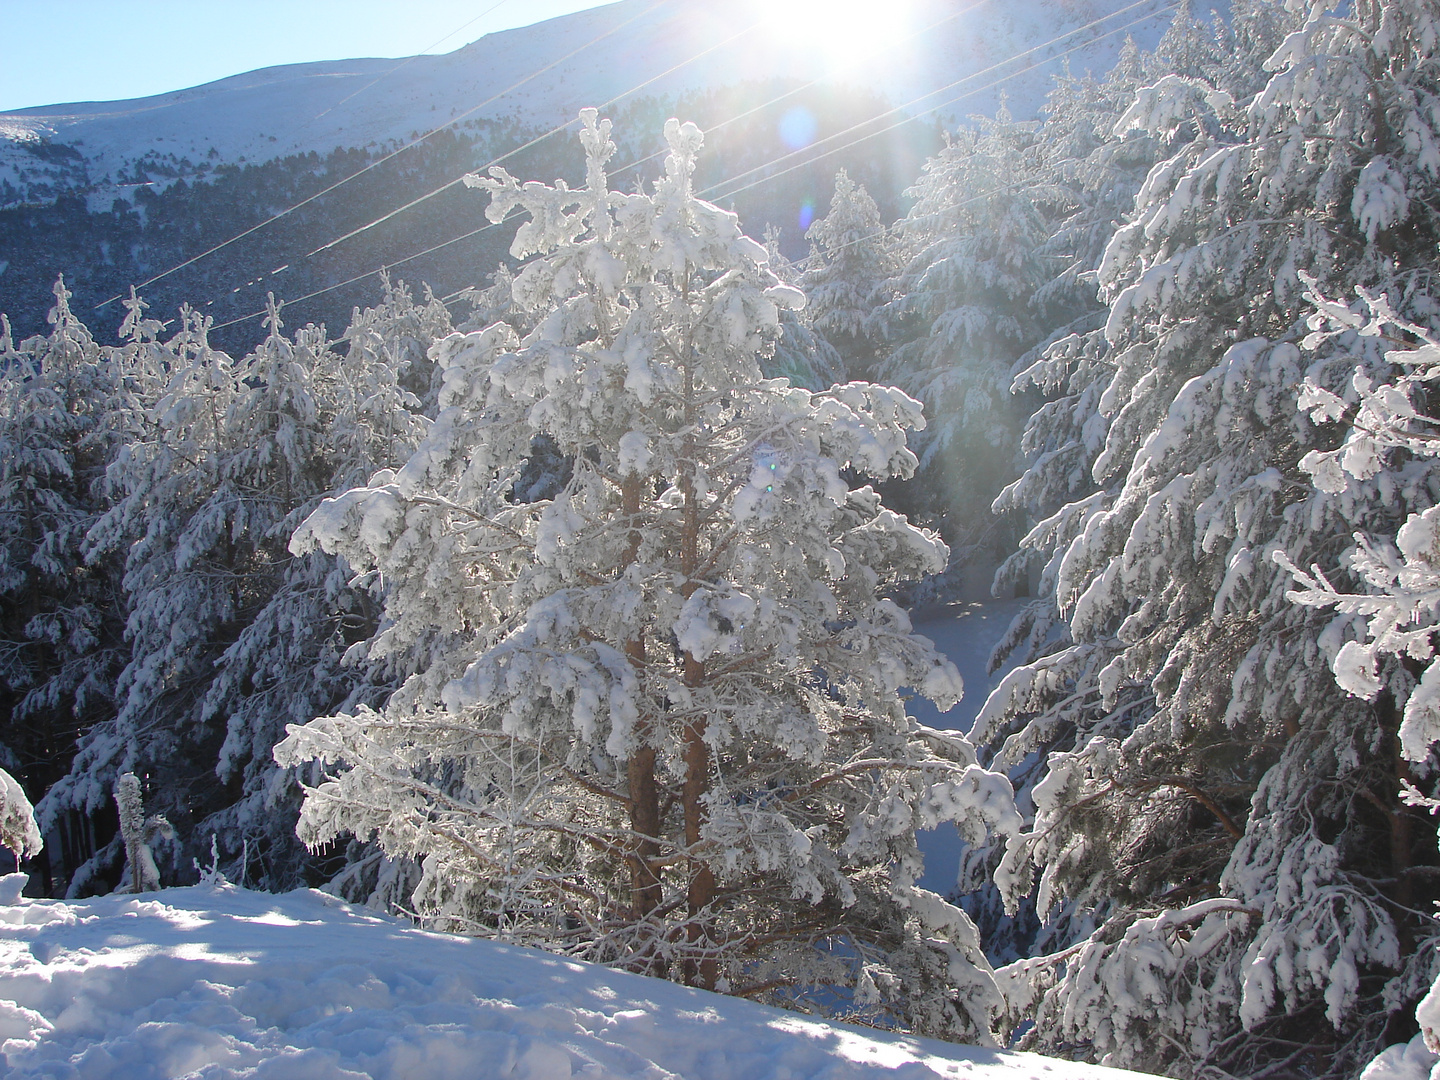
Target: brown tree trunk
[(701, 968), (646, 892), (1402, 837), (644, 792)]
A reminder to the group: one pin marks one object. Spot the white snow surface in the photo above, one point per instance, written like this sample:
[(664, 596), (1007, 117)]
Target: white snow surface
[(215, 982), (1403, 1061), (966, 633), (543, 74)]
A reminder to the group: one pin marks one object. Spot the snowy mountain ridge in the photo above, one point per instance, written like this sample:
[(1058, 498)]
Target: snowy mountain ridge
[(541, 75)]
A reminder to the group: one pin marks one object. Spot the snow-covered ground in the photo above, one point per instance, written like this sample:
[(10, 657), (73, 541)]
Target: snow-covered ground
[(216, 982), (966, 633)]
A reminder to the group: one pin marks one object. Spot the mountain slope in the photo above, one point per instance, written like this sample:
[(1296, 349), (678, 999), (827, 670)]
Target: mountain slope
[(541, 75)]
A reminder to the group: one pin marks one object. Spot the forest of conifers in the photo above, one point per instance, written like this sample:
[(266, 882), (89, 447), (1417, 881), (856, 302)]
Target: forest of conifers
[(576, 611)]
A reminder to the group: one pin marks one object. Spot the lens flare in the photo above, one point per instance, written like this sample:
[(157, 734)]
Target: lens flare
[(797, 128), (807, 214)]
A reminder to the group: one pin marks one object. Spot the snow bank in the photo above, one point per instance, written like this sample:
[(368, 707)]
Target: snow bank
[(217, 982)]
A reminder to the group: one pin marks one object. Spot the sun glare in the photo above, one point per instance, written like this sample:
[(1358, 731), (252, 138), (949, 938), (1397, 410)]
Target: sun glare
[(845, 33)]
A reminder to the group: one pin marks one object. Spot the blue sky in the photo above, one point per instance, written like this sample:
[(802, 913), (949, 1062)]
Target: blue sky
[(102, 50)]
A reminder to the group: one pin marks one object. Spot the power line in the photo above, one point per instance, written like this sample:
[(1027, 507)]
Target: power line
[(853, 128), (537, 139), (978, 196), (562, 127), (940, 90), (553, 131), (450, 184), (394, 153), (369, 273), (506, 156), (807, 86), (410, 59)]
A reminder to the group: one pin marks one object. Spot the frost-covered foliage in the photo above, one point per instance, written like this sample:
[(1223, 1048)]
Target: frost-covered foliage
[(658, 720), (1229, 875), (1094, 173), (1390, 444), (230, 636), (18, 829), (801, 353), (962, 315), (1381, 644), (397, 333), (64, 406), (848, 274)]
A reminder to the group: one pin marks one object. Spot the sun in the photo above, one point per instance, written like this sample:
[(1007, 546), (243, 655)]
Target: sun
[(846, 33)]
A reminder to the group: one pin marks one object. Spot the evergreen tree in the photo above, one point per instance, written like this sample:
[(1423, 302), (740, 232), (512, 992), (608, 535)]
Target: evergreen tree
[(962, 315), (801, 354), (1254, 902), (64, 406), (660, 722), (230, 636), (848, 273)]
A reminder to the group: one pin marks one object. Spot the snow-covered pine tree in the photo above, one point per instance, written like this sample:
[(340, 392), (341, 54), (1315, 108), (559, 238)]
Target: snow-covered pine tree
[(1093, 175), (1093, 170), (1086, 182), (1251, 905), (63, 410), (230, 635), (801, 354), (962, 315), (397, 333), (1385, 590), (661, 724), (848, 274)]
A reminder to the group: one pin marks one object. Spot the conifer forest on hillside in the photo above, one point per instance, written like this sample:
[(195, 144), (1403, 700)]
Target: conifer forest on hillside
[(573, 608)]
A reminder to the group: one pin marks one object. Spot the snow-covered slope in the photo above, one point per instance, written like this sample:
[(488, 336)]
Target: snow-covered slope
[(966, 633), (542, 74), (219, 982)]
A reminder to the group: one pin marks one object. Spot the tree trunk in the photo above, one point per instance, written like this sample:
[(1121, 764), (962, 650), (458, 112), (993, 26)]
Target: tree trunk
[(646, 893), (701, 966), (1402, 835)]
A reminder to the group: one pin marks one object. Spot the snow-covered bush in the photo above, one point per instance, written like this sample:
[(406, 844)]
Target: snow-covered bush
[(659, 721), (139, 834)]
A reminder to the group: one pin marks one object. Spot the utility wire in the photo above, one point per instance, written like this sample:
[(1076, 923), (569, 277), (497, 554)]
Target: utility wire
[(538, 138), (806, 150), (394, 153), (975, 198), (409, 60), (837, 149), (806, 86), (562, 127), (371, 273)]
